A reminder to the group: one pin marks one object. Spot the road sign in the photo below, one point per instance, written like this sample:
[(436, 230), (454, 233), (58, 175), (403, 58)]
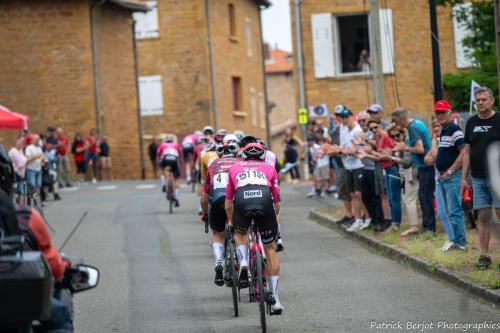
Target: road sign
[(303, 116)]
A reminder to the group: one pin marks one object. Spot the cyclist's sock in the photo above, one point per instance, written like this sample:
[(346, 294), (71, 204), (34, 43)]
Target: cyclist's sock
[(279, 230), (177, 193), (162, 178), (273, 283), (242, 255), (218, 249)]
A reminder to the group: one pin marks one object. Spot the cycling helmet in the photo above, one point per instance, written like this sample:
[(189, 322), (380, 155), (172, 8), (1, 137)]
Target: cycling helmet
[(169, 138), (262, 143), (219, 136), (6, 171), (227, 149), (247, 139), (253, 151), (199, 133), (230, 138), (239, 134), (201, 140), (208, 130)]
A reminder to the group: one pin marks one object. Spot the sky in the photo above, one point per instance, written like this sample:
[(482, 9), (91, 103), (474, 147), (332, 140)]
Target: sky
[(276, 25)]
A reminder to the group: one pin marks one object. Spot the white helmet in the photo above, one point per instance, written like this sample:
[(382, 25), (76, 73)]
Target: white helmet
[(230, 138), (208, 129)]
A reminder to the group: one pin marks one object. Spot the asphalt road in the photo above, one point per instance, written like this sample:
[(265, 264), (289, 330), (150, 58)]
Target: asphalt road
[(157, 272)]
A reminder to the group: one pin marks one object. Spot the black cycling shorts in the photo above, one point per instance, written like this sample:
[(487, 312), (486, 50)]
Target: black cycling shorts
[(255, 198), (217, 216), (187, 151), (170, 161)]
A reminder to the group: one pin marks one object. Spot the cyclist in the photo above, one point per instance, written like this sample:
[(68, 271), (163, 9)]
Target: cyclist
[(213, 198), (208, 132), (219, 136), (201, 144), (208, 156), (168, 154), (188, 144), (253, 185)]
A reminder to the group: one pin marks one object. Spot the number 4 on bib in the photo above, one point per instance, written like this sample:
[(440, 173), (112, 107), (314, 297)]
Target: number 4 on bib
[(220, 180)]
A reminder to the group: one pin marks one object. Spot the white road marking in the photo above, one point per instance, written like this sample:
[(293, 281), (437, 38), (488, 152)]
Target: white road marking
[(69, 189), (145, 186), (107, 188)]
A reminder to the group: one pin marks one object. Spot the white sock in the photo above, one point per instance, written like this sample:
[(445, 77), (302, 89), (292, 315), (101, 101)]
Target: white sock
[(273, 283), (177, 193), (162, 178), (218, 249), (241, 253), (359, 221)]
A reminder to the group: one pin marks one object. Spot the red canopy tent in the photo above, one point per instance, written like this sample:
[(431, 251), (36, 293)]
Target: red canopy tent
[(10, 120)]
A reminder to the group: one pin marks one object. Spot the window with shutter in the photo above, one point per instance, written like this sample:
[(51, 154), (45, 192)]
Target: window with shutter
[(323, 45), (248, 36), (387, 41), (147, 23), (151, 95), (460, 31), (353, 43)]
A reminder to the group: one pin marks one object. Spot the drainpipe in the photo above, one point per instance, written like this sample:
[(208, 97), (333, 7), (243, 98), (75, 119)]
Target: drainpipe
[(268, 107), (300, 78), (213, 101), (139, 117), (95, 71)]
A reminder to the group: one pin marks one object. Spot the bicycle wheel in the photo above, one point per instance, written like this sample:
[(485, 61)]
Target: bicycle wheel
[(260, 290), (233, 275), (170, 196)]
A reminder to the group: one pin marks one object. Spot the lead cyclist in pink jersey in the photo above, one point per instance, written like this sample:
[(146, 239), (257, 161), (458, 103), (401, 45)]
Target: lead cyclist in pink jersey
[(188, 145), (168, 154), (253, 185)]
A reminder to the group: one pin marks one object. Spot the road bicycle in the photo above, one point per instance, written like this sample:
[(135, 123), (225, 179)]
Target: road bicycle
[(259, 277), (231, 267)]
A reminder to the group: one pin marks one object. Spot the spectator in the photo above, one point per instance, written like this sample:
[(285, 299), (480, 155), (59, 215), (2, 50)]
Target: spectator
[(78, 150), (105, 159), (376, 112), (480, 131), (19, 162), (50, 171), (448, 157), (409, 179), (64, 167), (91, 153), (419, 143), (312, 150), (370, 190), (35, 158), (352, 165), (321, 129), (391, 171), (152, 148), (322, 161)]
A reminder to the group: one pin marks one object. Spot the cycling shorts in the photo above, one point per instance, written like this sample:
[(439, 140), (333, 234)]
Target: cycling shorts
[(255, 198), (171, 162), (187, 151), (217, 215)]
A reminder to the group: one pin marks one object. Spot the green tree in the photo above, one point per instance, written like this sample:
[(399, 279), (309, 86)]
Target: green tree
[(480, 20)]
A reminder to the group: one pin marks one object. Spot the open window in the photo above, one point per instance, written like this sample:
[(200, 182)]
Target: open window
[(354, 43)]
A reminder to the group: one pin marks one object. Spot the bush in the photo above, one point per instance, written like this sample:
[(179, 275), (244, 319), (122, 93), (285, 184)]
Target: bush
[(457, 87)]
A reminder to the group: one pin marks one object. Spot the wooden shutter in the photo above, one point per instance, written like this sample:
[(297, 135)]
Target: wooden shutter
[(323, 45), (147, 23), (387, 41), (460, 31), (151, 95)]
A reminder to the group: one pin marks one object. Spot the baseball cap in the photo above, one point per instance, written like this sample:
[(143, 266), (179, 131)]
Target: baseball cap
[(345, 112), (338, 109), (442, 105), (374, 108)]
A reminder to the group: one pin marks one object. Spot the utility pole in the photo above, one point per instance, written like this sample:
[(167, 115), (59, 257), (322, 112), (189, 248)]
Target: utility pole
[(213, 91), (497, 30), (376, 51), (436, 62)]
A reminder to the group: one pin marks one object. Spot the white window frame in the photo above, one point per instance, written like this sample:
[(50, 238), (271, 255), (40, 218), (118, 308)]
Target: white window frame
[(147, 25), (151, 95), (460, 32)]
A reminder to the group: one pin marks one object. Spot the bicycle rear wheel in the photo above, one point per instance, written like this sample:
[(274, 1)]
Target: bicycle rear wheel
[(233, 275), (260, 290), (170, 196)]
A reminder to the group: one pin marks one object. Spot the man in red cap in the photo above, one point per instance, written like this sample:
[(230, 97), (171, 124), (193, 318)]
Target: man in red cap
[(448, 153)]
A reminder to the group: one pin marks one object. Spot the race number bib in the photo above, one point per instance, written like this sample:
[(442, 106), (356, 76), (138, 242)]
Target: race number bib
[(251, 177), (220, 180), (170, 151)]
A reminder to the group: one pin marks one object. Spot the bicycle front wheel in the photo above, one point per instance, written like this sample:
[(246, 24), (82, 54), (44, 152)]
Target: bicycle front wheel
[(260, 290), (233, 275)]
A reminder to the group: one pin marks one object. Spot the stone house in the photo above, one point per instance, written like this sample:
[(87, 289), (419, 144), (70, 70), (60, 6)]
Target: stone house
[(175, 57), (70, 63), (280, 92), (336, 52)]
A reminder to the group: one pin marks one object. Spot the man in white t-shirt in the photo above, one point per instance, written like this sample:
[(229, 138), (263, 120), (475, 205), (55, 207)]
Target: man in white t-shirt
[(352, 164), (35, 156)]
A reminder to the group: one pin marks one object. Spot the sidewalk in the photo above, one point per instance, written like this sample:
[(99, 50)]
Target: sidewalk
[(422, 253)]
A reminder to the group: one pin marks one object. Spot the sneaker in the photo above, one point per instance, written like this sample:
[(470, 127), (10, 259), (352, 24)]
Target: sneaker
[(459, 247), (176, 203), (57, 196), (164, 188), (295, 181), (333, 188), (448, 245), (94, 181), (279, 245), (355, 226), (277, 308), (219, 277), (366, 224), (243, 277), (483, 263), (323, 194), (311, 194)]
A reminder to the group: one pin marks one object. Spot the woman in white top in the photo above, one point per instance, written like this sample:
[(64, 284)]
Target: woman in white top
[(35, 156), (19, 162)]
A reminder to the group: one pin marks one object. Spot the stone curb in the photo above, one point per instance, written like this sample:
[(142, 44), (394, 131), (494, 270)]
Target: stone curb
[(458, 280)]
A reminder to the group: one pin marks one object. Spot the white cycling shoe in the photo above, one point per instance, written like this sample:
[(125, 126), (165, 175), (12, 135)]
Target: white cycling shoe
[(277, 308)]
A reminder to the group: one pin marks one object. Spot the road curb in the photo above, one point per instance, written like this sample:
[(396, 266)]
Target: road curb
[(458, 280)]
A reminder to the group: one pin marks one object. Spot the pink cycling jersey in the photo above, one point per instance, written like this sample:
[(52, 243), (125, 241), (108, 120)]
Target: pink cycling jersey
[(252, 173), (168, 148), (190, 139), (217, 174)]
